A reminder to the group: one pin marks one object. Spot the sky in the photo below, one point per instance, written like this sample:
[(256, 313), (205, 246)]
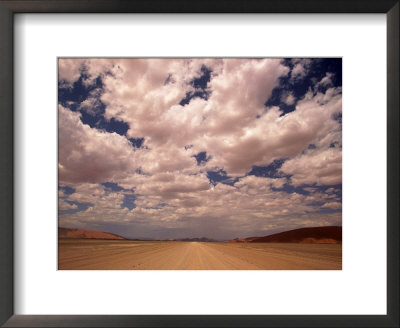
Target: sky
[(190, 147)]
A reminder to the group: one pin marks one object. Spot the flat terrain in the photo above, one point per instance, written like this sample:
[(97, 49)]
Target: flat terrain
[(85, 254)]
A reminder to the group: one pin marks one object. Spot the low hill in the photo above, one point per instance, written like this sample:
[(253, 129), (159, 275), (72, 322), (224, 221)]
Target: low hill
[(85, 234), (202, 239), (314, 235), (238, 240)]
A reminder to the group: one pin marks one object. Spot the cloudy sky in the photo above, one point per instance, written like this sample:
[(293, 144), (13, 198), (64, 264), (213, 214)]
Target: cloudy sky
[(222, 148)]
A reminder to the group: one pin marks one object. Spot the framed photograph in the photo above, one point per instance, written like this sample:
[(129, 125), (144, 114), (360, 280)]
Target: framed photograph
[(211, 164)]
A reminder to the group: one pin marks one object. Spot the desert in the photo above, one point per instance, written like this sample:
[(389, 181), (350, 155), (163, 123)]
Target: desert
[(200, 163), (103, 254)]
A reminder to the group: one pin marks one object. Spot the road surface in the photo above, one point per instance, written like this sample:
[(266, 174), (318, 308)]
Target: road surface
[(81, 254)]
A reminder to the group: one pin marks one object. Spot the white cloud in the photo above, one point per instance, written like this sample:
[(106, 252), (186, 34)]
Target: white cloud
[(323, 167), (300, 69), (63, 205), (69, 70), (326, 80), (251, 205), (332, 205), (288, 98), (138, 94), (233, 126), (90, 155)]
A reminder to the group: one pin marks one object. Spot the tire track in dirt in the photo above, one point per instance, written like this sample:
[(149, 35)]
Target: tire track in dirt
[(158, 255)]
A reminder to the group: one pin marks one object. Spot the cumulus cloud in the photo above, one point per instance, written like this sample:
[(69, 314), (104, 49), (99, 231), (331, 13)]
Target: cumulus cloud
[(300, 68), (332, 205), (323, 167), (90, 155), (63, 205), (228, 121), (326, 80), (69, 70), (321, 164), (288, 98), (248, 207)]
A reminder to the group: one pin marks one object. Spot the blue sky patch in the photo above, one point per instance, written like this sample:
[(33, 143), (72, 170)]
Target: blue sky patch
[(136, 142), (66, 190), (129, 201), (299, 87), (190, 95), (220, 176), (201, 157), (338, 117), (288, 188), (270, 171), (202, 81), (111, 186), (93, 114), (80, 207), (78, 92), (129, 196), (310, 189), (157, 207), (200, 85), (99, 122)]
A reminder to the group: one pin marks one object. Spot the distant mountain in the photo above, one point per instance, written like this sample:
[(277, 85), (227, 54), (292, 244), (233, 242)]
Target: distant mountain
[(244, 240), (238, 240), (85, 234), (202, 239), (314, 235)]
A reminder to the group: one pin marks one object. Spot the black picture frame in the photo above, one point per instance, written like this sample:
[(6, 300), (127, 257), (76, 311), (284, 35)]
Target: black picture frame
[(10, 7)]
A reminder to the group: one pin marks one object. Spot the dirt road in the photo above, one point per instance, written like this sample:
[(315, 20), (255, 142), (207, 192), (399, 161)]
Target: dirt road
[(75, 254)]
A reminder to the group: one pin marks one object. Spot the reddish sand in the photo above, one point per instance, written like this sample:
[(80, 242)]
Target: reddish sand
[(314, 235), (86, 254), (86, 234), (319, 241)]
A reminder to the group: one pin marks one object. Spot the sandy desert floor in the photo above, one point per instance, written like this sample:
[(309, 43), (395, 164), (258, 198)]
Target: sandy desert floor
[(83, 254)]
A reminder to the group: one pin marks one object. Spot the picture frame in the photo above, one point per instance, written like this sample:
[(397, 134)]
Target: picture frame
[(7, 10)]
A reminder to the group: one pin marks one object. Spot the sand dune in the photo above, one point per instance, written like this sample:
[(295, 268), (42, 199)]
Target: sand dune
[(85, 234), (312, 235), (77, 254)]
